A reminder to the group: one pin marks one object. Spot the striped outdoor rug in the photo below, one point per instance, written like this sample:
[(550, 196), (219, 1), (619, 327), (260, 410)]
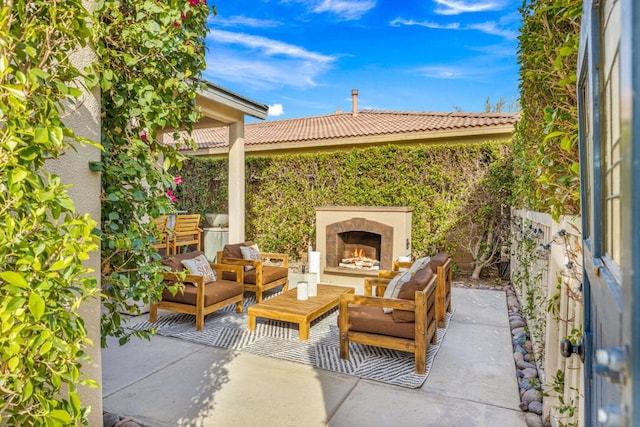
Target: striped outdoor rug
[(227, 329)]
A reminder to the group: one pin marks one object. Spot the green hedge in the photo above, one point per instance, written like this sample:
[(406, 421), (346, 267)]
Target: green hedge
[(446, 186)]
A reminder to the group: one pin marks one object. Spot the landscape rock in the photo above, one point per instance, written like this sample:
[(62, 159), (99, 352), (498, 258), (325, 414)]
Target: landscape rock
[(530, 373), (533, 420), (531, 395), (525, 365), (535, 407)]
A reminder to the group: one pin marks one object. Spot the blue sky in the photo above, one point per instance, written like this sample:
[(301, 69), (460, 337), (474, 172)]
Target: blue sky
[(303, 57)]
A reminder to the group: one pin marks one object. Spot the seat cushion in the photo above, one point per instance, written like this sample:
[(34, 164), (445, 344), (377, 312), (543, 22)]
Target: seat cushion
[(269, 274), (175, 261), (214, 292), (363, 318)]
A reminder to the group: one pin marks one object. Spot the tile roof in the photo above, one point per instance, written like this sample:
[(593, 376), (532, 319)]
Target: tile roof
[(343, 125)]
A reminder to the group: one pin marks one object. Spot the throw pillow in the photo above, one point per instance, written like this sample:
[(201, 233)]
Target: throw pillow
[(199, 266), (394, 286), (250, 253)]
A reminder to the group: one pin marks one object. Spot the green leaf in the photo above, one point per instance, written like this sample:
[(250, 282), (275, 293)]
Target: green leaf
[(36, 305), (14, 278), (61, 416)]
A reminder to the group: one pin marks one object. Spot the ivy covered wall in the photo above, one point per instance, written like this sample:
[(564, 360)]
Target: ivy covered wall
[(449, 187)]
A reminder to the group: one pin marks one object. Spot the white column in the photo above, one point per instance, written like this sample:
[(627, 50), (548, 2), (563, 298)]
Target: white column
[(236, 182)]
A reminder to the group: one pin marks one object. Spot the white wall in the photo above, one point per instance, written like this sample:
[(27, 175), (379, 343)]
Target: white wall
[(73, 168)]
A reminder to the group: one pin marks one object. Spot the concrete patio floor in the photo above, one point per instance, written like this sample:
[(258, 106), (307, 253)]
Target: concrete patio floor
[(171, 382)]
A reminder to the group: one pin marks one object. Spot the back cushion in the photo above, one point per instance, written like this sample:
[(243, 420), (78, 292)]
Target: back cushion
[(233, 251), (438, 261), (175, 261)]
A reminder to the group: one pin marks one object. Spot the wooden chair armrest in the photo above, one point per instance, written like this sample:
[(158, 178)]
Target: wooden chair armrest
[(219, 268), (380, 284), (188, 278), (395, 303), (284, 258), (397, 265), (387, 274), (239, 261)]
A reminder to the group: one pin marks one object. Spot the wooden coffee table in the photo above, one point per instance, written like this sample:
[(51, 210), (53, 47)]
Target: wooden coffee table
[(288, 308)]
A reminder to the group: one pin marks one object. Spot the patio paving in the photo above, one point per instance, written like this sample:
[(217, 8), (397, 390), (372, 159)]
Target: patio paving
[(171, 382)]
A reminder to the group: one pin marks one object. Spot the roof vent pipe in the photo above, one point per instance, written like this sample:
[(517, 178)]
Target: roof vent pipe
[(354, 102)]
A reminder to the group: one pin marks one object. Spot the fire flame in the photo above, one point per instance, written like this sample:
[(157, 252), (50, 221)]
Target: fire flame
[(358, 253)]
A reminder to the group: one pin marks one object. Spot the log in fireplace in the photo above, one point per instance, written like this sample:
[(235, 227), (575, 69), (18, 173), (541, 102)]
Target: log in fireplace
[(357, 241)]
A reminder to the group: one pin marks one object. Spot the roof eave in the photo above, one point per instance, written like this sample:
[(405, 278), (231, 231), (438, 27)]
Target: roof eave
[(226, 97)]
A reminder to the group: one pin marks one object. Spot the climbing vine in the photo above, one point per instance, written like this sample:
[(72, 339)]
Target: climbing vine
[(43, 242), (151, 54), (546, 141), (446, 185)]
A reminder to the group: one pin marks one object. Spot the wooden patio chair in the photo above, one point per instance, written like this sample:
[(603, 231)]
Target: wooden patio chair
[(410, 328), (162, 236), (186, 232), (258, 275), (197, 297)]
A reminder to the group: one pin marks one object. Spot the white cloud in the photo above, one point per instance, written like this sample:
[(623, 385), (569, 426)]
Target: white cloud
[(442, 72), (489, 27), (456, 7), (243, 21), (492, 28), (346, 9), (275, 110), (261, 62), (267, 46), (428, 24)]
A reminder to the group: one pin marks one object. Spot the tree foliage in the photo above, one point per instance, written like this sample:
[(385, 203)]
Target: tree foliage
[(43, 242), (151, 54), (546, 142)]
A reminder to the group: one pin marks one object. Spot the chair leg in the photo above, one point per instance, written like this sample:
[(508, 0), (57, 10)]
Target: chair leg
[(258, 295), (239, 307), (199, 319), (344, 346), (285, 287)]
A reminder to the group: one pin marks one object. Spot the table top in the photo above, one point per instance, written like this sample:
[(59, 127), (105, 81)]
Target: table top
[(288, 303)]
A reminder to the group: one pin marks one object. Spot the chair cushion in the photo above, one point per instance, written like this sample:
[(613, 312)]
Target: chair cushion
[(175, 261), (417, 283), (214, 292), (199, 266), (438, 261), (269, 274), (394, 286), (233, 250), (364, 318)]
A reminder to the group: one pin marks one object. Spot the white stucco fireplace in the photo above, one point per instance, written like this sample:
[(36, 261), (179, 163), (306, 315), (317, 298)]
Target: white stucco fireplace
[(379, 234)]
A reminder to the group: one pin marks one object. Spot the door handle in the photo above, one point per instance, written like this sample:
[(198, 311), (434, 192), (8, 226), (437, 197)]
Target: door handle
[(567, 348)]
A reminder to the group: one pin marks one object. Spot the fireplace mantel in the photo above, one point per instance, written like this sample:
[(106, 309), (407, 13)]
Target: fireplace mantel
[(392, 223)]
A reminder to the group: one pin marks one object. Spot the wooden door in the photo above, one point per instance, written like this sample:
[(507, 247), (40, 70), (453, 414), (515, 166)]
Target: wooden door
[(609, 116)]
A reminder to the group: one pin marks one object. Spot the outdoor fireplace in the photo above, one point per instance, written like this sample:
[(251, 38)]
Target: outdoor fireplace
[(355, 242)]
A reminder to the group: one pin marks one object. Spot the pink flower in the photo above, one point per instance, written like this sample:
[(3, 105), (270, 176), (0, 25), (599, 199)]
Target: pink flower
[(177, 180), (171, 196), (175, 24), (144, 137), (183, 16), (194, 2)]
